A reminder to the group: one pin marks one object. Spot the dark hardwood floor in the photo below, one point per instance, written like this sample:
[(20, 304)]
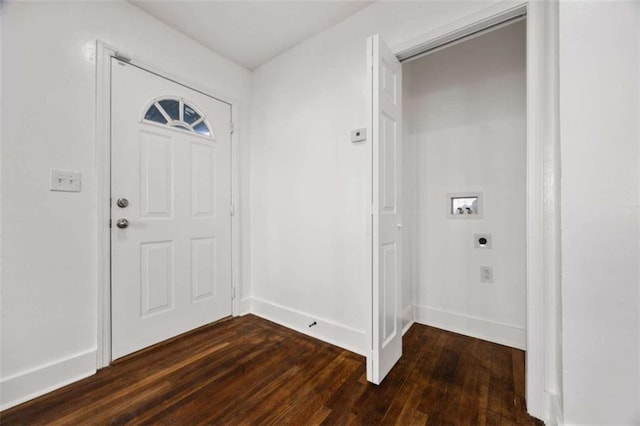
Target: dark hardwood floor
[(250, 371)]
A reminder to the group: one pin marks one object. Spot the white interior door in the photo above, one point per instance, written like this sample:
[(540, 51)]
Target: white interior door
[(386, 128), (171, 161)]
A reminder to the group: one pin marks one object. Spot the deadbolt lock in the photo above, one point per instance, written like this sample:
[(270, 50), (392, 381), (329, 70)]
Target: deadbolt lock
[(122, 202)]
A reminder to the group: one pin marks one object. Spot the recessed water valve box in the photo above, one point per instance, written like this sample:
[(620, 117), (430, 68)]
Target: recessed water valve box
[(464, 205), (482, 241)]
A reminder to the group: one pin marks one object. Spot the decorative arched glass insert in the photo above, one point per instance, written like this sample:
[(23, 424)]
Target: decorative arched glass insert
[(177, 113)]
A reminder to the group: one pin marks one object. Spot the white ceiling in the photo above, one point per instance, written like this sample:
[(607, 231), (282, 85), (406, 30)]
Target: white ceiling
[(250, 32)]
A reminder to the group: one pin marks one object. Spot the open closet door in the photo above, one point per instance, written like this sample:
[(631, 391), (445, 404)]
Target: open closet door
[(386, 128)]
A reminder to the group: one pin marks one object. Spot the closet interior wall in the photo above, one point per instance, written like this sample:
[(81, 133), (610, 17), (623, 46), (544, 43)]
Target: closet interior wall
[(465, 131)]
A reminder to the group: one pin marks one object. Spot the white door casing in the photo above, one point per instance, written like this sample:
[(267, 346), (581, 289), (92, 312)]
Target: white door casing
[(386, 86), (171, 267)]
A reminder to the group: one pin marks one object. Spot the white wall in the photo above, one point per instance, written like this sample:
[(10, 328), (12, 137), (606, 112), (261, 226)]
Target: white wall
[(310, 185), (599, 113), (467, 109), (49, 246)]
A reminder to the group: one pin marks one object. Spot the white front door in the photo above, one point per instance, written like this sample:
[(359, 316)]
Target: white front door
[(171, 162), (386, 86)]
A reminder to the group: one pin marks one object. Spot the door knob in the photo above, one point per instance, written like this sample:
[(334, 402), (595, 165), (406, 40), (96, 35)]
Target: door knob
[(122, 223), (122, 202)]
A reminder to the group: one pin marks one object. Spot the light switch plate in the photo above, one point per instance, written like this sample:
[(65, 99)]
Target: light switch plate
[(65, 180), (358, 135)]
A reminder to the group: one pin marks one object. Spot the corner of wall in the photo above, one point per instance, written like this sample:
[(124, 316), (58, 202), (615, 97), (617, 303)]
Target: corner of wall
[(502, 334), (244, 307)]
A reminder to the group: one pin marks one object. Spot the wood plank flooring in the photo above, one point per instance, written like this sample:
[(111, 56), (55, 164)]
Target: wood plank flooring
[(247, 371)]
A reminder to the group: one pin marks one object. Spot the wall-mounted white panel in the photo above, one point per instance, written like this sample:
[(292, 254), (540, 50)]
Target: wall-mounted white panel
[(203, 268), (203, 180), (156, 175), (157, 278)]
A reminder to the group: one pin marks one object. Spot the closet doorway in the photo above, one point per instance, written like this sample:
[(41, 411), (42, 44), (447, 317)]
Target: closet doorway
[(538, 226), (464, 186)]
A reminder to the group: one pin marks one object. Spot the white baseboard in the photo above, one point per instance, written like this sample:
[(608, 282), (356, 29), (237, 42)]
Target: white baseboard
[(331, 332), (22, 387), (503, 334)]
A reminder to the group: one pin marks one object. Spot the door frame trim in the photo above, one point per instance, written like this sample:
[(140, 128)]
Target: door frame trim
[(104, 53), (543, 353)]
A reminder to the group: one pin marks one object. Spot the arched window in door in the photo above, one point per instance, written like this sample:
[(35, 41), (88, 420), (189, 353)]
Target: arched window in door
[(178, 114)]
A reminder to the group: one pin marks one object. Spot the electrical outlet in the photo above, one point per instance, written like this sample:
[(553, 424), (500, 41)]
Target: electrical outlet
[(486, 274)]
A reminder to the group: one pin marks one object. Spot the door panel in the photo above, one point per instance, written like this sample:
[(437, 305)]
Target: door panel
[(203, 271), (388, 159), (171, 267), (156, 173), (203, 184), (389, 272), (156, 283), (386, 109)]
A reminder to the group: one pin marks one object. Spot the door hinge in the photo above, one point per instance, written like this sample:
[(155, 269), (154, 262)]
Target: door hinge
[(233, 128), (232, 210), (122, 57), (233, 292)]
